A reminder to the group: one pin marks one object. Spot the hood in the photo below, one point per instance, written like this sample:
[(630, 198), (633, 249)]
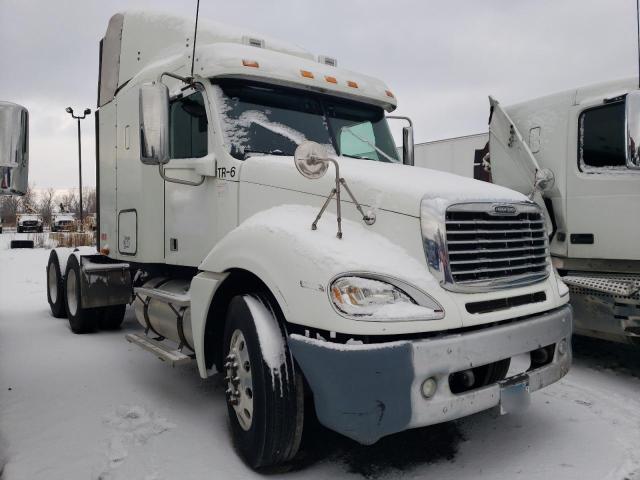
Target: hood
[(385, 186)]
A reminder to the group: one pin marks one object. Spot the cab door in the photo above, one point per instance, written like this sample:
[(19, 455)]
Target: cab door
[(603, 195), (196, 202)]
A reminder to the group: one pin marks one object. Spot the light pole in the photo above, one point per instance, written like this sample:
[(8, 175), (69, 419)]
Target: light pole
[(87, 111)]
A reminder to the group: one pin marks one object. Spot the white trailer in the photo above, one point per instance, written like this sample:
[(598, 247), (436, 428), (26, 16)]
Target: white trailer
[(586, 138), (216, 193), (453, 155)]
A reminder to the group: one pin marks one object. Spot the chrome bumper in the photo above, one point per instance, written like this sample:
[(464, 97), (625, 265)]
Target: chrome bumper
[(368, 391)]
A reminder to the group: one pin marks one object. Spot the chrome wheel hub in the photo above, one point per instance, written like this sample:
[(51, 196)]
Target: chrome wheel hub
[(239, 380)]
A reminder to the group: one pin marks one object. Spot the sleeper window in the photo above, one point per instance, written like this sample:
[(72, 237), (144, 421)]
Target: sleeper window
[(602, 137), (188, 127)]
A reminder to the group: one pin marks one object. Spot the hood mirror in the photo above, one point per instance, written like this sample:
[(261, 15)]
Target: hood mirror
[(544, 180), (312, 161), (14, 149)]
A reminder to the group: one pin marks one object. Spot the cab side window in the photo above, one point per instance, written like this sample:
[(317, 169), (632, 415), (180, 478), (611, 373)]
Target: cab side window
[(188, 127), (602, 137)]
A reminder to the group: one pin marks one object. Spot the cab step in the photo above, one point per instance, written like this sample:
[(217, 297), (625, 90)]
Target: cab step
[(165, 353)]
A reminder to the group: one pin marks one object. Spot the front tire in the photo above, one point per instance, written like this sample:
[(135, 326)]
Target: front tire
[(19, 229), (81, 320), (265, 401), (55, 287)]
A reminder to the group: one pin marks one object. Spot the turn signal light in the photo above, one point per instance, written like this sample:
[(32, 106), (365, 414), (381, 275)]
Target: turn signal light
[(389, 93), (105, 251), (306, 74), (352, 84), (331, 79), (250, 63)]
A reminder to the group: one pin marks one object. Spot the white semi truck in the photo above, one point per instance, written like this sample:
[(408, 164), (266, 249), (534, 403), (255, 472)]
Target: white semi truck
[(587, 137), (216, 191)]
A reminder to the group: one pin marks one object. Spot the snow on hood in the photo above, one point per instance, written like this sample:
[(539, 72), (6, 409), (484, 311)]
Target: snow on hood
[(393, 187), (359, 250)]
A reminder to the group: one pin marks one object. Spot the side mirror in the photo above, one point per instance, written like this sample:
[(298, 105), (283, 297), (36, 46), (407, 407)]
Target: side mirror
[(632, 114), (407, 146), (407, 140), (154, 124), (14, 149)]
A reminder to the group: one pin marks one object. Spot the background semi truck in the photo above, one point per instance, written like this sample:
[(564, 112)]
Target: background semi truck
[(219, 169), (588, 138)]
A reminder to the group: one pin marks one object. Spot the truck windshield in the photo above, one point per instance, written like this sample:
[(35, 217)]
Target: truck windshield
[(264, 119)]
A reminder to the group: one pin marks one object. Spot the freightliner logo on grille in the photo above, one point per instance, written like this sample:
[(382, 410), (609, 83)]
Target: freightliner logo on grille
[(504, 210)]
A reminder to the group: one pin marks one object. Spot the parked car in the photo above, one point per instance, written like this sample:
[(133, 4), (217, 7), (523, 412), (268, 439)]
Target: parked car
[(29, 222)]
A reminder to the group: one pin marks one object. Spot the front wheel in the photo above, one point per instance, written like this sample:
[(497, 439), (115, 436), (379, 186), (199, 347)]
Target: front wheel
[(19, 229), (265, 398)]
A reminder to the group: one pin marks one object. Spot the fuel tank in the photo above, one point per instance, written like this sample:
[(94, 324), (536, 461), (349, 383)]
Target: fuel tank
[(162, 317)]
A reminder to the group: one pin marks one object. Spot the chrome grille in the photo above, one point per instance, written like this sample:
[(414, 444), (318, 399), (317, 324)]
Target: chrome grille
[(490, 248)]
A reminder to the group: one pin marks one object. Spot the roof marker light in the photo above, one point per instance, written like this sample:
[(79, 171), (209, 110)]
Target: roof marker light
[(250, 63), (352, 84), (330, 79), (306, 74), (389, 93)]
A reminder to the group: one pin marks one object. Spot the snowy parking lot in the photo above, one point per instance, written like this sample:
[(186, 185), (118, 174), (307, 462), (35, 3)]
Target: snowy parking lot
[(95, 407)]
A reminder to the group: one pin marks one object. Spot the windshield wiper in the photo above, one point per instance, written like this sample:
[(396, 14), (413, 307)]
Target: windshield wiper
[(355, 156)]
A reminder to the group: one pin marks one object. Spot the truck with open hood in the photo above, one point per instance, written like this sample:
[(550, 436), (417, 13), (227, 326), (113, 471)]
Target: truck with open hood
[(582, 143), (253, 208)]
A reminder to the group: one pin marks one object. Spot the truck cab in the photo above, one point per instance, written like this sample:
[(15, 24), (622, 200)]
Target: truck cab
[(255, 211), (587, 138)]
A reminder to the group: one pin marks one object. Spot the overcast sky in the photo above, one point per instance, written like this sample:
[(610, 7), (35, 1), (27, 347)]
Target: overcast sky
[(441, 58)]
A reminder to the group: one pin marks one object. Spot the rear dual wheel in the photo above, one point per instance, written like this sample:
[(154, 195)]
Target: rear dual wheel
[(84, 320), (55, 286)]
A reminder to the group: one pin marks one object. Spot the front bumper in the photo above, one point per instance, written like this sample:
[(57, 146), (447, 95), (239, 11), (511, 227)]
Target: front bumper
[(369, 391)]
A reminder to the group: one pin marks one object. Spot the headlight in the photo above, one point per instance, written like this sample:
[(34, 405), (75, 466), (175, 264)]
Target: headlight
[(376, 300)]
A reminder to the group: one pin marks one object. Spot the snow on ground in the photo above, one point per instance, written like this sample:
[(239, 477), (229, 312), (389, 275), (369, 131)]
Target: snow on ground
[(95, 407)]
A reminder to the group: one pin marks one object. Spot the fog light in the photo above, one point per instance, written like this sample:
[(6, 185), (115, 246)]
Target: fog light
[(562, 347), (429, 387)]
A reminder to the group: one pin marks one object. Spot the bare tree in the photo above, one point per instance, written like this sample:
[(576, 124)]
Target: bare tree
[(46, 205), (89, 200), (28, 200), (9, 209), (68, 201)]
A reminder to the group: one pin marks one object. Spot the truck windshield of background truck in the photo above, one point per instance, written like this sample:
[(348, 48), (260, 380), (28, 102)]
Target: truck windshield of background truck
[(261, 118), (602, 138)]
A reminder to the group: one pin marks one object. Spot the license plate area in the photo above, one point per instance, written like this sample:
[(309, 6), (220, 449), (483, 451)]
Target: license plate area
[(515, 395)]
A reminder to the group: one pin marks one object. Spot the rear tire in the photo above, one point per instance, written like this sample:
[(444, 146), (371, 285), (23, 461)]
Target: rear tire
[(81, 320), (266, 402), (55, 287), (111, 317)]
